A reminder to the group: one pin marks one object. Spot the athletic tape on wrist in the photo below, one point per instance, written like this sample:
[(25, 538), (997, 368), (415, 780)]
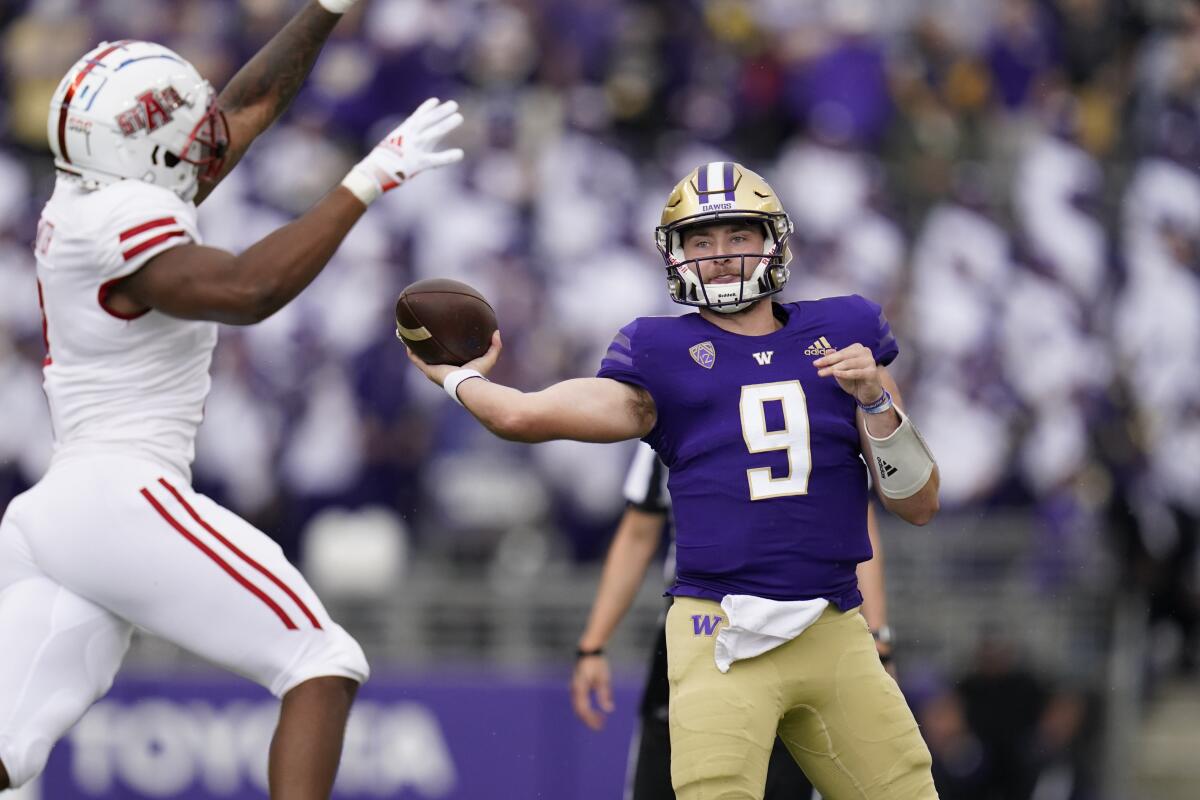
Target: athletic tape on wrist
[(337, 6), (452, 381), (902, 459), (362, 186)]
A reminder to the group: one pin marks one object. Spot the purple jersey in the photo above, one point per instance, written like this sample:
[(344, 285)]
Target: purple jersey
[(767, 485)]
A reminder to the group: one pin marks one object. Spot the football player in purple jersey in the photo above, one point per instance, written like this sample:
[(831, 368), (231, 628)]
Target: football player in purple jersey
[(637, 540), (768, 417)]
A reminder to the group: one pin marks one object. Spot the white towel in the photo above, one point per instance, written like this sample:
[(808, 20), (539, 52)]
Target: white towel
[(755, 625)]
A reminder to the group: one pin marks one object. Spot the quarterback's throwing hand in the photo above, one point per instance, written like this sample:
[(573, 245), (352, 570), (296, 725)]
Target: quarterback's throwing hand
[(438, 372), (855, 370), (409, 149)]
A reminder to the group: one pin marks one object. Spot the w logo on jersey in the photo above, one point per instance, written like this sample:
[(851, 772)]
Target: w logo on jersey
[(704, 624), (764, 358)]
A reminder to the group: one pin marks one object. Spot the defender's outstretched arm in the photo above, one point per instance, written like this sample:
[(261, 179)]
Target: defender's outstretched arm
[(263, 89), (198, 282), (195, 282)]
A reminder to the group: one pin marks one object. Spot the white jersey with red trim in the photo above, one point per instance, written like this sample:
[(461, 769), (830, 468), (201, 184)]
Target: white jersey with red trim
[(118, 384)]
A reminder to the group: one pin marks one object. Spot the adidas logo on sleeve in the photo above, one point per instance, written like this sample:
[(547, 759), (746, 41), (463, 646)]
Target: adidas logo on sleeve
[(819, 348)]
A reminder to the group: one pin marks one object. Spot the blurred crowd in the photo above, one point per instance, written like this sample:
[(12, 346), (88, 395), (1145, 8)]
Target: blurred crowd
[(1014, 180), (1000, 731)]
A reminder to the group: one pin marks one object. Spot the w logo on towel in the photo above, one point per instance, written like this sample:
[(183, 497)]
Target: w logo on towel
[(704, 624)]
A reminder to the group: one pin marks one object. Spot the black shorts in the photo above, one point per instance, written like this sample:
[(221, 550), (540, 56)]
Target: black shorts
[(649, 775)]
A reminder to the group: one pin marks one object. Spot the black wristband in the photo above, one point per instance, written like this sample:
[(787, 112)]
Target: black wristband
[(581, 653)]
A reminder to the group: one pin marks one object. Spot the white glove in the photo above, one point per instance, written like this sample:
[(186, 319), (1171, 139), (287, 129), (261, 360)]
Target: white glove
[(406, 151)]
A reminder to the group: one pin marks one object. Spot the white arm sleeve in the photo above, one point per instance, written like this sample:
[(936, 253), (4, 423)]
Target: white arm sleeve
[(902, 459)]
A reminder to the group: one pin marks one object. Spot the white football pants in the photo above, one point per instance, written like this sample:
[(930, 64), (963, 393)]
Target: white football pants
[(105, 543)]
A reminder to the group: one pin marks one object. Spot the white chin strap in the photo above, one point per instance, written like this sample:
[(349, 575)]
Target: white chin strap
[(733, 308), (730, 298)]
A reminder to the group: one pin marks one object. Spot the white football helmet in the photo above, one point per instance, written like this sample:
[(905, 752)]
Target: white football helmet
[(723, 191), (137, 110)]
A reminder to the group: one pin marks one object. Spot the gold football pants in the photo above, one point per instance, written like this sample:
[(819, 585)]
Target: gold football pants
[(825, 692)]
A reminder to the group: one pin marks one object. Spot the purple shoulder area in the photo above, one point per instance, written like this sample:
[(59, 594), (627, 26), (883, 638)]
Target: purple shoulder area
[(620, 351), (875, 323), (619, 362)]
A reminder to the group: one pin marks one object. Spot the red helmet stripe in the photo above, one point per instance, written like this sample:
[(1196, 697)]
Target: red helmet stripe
[(83, 73)]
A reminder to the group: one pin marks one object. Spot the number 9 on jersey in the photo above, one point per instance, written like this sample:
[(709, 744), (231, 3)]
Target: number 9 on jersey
[(792, 437)]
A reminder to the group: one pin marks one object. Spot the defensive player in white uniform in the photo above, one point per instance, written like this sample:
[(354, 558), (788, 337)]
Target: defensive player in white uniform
[(113, 536)]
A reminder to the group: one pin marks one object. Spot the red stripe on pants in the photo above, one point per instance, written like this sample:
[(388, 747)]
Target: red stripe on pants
[(241, 555), (250, 587)]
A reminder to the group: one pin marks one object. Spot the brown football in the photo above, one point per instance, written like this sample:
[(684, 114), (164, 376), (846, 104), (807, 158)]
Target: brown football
[(444, 321)]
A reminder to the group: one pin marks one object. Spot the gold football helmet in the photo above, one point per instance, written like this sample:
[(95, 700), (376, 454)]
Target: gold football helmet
[(722, 191)]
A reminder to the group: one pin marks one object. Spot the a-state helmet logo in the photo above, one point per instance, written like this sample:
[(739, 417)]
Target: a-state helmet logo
[(153, 110)]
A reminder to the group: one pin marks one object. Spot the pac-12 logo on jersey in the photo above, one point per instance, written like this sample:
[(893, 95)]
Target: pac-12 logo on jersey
[(704, 354), (154, 109)]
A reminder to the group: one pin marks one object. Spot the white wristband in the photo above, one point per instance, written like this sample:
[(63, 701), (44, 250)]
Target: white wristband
[(450, 384), (364, 187), (902, 459), (337, 6)]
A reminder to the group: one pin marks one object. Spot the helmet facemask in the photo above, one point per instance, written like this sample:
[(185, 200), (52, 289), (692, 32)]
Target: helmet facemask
[(738, 196), (760, 275), (206, 145)]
